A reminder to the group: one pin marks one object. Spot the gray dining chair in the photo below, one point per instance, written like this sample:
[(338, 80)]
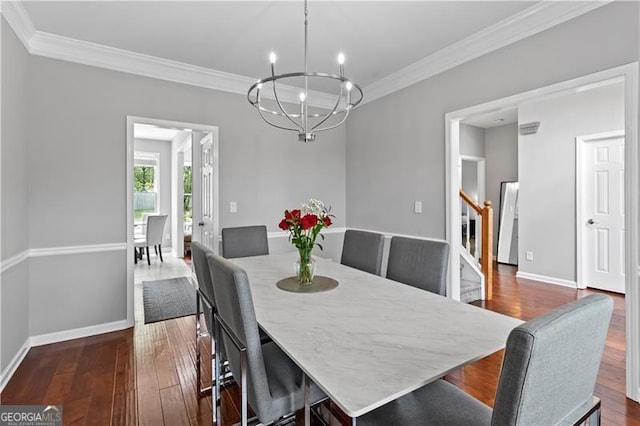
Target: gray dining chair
[(419, 263), (244, 241), (363, 250), (153, 237), (271, 383), (204, 304), (548, 377)]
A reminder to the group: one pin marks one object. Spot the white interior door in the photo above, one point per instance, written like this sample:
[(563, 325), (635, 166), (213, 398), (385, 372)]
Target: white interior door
[(601, 219), (207, 167)]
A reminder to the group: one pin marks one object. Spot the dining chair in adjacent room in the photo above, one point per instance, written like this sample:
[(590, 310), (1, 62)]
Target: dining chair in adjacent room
[(271, 383), (419, 263), (153, 236), (244, 241), (548, 377), (363, 250)]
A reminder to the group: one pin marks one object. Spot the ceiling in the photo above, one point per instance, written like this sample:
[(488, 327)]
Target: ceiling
[(378, 38)]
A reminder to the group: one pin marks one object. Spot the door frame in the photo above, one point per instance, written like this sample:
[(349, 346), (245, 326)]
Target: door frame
[(129, 143), (580, 249), (627, 73)]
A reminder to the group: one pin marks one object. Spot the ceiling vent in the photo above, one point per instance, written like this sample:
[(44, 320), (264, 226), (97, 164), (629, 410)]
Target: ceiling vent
[(529, 128)]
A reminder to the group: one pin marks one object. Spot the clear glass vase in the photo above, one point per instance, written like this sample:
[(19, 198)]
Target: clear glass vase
[(305, 268)]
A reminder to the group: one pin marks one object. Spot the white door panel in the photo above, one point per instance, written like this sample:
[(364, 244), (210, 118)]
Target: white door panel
[(602, 213), (207, 164)]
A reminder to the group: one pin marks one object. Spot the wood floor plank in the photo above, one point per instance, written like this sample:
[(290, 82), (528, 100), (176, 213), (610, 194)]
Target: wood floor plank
[(173, 408), (146, 375)]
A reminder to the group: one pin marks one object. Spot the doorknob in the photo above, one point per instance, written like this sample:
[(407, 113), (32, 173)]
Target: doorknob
[(590, 222), (200, 223)]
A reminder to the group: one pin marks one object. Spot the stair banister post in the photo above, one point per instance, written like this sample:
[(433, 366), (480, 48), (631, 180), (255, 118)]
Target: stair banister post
[(487, 248)]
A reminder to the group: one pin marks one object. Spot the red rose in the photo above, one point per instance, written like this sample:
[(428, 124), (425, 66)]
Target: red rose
[(309, 221), (327, 221), (283, 225)]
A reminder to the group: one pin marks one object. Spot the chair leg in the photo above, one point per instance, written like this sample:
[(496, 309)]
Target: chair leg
[(135, 255), (156, 249), (159, 249), (148, 258), (198, 343)]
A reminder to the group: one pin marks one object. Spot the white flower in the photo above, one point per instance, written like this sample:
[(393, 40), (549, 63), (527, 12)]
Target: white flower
[(316, 207)]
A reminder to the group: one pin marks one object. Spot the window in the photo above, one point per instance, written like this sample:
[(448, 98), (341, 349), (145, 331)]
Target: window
[(145, 187)]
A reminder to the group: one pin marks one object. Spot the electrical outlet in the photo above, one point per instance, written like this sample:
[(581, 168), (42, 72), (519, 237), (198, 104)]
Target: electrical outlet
[(529, 255), (233, 207), (417, 207)]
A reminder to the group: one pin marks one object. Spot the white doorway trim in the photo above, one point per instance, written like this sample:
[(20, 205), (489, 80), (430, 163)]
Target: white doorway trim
[(627, 73), (580, 219), (130, 122)]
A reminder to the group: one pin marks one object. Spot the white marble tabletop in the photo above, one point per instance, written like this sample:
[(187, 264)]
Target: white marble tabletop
[(370, 340)]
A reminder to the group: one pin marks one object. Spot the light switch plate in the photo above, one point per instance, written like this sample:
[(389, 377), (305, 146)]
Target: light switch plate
[(417, 207), (529, 255), (233, 207)]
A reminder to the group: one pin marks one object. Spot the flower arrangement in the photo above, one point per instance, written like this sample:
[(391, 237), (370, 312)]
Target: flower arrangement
[(304, 226)]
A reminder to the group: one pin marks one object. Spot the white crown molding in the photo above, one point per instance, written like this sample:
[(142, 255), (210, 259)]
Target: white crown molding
[(532, 20), (97, 55), (546, 279), (13, 260), (526, 23), (75, 250), (19, 20)]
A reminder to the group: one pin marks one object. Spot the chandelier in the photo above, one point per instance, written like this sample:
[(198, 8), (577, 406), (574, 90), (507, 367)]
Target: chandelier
[(302, 120)]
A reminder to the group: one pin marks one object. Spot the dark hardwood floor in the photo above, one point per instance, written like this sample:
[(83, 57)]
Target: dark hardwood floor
[(146, 375)]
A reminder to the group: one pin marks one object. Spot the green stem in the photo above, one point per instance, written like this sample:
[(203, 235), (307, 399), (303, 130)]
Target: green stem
[(305, 275)]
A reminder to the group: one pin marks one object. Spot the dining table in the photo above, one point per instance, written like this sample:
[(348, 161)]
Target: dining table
[(369, 340)]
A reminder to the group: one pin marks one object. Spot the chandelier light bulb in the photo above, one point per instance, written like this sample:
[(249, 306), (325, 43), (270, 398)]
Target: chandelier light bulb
[(348, 85), (259, 86), (302, 96), (341, 58), (272, 57)]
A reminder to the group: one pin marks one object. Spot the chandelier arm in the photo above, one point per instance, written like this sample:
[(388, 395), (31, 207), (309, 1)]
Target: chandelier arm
[(330, 113), (260, 111), (284, 112), (273, 124), (346, 114)]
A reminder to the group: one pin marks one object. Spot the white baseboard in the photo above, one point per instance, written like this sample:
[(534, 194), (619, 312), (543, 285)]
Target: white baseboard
[(59, 336), (13, 365), (548, 280), (92, 330)]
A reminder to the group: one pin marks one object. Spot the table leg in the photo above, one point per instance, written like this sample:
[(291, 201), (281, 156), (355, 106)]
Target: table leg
[(307, 400)]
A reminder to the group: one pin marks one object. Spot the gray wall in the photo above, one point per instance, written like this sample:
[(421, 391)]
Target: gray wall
[(163, 149), (395, 145), (264, 170), (472, 140), (501, 149), (472, 144), (547, 174), (14, 282)]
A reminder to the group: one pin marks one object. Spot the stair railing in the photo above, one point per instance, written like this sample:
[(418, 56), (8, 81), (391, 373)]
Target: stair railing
[(484, 255)]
